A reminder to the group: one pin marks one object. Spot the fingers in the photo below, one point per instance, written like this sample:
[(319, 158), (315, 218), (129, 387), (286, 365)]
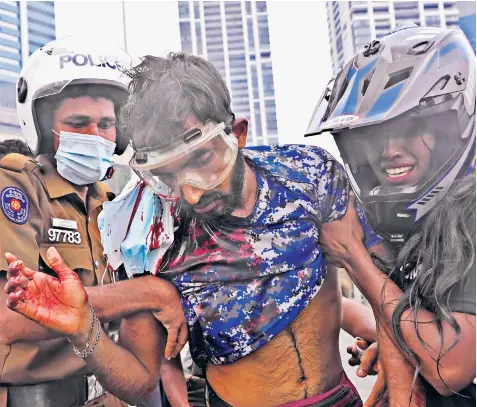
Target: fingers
[(377, 367), (352, 204), (362, 344), (183, 338), (355, 353), (16, 299), (351, 197), (10, 258), (13, 268), (17, 268), (59, 266), (177, 337), (368, 360), (17, 302), (172, 340), (14, 282), (354, 361)]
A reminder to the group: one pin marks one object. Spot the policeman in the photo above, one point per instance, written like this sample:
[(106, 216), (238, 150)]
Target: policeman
[(68, 97)]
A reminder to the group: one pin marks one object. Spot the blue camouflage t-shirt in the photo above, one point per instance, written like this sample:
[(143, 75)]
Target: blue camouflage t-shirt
[(243, 281)]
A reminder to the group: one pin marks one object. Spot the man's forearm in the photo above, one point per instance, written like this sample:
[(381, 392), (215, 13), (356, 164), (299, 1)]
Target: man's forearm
[(116, 300), (403, 391), (130, 371), (119, 372), (173, 380), (16, 328), (358, 320)]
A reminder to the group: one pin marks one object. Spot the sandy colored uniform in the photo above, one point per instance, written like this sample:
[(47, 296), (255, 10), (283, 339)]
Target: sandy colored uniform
[(40, 209)]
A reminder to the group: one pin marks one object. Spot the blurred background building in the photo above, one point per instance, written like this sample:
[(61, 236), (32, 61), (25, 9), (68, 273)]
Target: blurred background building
[(234, 36), (467, 20), (352, 24), (24, 27)]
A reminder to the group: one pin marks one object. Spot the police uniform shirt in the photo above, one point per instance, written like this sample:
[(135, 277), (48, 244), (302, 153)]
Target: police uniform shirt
[(40, 209)]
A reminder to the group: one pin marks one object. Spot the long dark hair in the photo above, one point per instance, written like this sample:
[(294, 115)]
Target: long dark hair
[(442, 249)]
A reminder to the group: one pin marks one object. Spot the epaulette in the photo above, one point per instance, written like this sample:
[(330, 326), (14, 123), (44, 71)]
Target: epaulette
[(106, 190), (18, 162)]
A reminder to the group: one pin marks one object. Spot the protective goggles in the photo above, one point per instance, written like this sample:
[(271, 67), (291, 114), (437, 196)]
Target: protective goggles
[(202, 158)]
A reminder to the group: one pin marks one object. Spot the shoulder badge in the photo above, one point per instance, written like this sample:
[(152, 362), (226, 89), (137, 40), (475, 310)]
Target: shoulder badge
[(17, 162), (15, 205)]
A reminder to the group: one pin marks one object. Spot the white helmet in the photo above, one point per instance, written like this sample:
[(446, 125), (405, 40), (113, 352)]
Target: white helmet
[(63, 65)]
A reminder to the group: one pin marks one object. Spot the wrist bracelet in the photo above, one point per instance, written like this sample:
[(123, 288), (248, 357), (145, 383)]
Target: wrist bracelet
[(88, 349)]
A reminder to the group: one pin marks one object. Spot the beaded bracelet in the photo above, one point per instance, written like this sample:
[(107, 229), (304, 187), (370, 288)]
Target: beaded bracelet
[(88, 349)]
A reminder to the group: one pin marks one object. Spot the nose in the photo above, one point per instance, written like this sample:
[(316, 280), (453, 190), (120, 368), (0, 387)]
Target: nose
[(92, 129), (392, 149), (192, 194)]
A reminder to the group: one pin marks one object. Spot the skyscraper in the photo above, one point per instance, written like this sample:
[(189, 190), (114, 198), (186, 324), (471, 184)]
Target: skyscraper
[(234, 36), (351, 24), (24, 27)]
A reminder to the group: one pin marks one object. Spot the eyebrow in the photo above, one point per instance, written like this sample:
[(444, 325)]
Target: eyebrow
[(86, 117)]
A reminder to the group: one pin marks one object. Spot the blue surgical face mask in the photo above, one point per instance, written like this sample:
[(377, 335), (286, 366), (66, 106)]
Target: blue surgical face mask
[(150, 234), (83, 159), (143, 233)]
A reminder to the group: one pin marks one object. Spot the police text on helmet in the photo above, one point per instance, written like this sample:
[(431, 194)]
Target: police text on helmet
[(88, 60)]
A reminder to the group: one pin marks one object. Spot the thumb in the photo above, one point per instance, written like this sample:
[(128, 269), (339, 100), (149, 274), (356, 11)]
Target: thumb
[(351, 199), (362, 344), (58, 264)]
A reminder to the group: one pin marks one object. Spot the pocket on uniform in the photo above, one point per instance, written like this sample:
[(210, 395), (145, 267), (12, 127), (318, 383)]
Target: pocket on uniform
[(77, 257)]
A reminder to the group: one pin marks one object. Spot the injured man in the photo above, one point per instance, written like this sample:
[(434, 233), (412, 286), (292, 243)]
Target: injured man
[(237, 231)]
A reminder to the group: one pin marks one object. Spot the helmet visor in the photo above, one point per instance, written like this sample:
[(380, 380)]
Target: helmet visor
[(398, 159), (321, 111)]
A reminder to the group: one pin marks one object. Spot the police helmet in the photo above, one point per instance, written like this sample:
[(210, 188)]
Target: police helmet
[(63, 68)]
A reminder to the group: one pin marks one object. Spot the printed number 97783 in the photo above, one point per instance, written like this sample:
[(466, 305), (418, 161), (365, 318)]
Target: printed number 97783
[(64, 236)]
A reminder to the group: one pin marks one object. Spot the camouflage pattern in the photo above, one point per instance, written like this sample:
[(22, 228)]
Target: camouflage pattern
[(244, 280)]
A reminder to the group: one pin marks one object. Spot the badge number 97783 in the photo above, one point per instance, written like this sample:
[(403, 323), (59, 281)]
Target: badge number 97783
[(64, 236)]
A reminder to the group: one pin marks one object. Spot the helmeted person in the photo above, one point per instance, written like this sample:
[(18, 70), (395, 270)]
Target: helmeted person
[(69, 95), (402, 112)]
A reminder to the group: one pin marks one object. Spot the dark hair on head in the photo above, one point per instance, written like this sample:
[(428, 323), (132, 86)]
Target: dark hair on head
[(164, 91), (444, 248), (14, 146)]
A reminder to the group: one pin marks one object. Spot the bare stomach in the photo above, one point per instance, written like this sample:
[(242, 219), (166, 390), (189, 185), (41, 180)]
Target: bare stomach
[(300, 362)]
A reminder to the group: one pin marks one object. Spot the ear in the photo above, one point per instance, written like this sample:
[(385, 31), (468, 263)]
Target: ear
[(240, 128)]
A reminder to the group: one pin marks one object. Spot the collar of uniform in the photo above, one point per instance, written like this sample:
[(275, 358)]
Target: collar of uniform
[(57, 186), (96, 196)]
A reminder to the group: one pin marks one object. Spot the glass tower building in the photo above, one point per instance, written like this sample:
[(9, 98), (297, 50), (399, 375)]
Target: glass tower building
[(24, 27), (234, 36), (352, 24)]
